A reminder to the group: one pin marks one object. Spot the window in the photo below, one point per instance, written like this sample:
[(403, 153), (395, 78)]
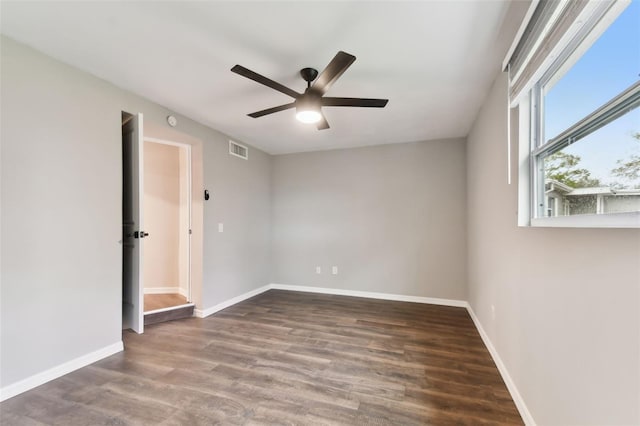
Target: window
[(584, 112), (551, 206)]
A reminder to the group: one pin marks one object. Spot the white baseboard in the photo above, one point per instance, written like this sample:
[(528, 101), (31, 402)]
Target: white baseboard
[(511, 386), (166, 290), (58, 371), (202, 313), (371, 295), (169, 308)]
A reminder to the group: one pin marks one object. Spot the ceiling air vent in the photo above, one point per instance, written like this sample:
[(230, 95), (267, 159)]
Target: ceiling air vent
[(238, 150)]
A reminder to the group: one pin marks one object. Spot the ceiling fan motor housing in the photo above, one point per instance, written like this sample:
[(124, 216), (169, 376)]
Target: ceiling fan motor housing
[(309, 74), (310, 101)]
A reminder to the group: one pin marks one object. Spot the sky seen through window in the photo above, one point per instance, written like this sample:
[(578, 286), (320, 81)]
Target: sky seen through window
[(610, 66)]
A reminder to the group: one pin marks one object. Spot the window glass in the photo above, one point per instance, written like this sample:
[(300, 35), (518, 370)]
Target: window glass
[(598, 174), (611, 65)]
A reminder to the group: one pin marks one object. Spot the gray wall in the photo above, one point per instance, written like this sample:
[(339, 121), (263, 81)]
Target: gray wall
[(391, 217), (567, 301), (237, 260), (61, 212)]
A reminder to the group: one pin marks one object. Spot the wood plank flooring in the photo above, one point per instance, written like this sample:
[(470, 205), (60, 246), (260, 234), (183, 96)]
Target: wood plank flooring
[(159, 301), (286, 358)]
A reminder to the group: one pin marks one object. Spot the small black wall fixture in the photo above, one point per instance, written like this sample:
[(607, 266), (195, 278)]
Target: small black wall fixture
[(206, 195)]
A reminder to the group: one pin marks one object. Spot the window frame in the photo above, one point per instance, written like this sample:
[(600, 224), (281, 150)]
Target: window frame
[(537, 149)]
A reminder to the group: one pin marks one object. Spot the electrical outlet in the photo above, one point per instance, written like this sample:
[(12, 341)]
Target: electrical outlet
[(318, 270), (334, 270), (221, 227), (493, 312)]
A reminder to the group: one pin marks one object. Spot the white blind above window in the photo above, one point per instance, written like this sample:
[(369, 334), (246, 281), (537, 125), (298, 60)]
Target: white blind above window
[(543, 15), (553, 26)]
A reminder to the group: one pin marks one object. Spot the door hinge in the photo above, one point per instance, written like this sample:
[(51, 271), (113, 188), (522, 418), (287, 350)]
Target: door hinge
[(190, 232)]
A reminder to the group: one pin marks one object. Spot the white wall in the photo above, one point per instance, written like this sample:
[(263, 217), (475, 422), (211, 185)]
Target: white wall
[(567, 301), (391, 217), (183, 238), (61, 200), (162, 216)]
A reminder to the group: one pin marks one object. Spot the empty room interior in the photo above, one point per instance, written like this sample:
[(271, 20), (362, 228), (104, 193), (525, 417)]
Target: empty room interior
[(318, 213)]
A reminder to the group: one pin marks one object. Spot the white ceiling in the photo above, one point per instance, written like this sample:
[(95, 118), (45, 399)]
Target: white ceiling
[(433, 60)]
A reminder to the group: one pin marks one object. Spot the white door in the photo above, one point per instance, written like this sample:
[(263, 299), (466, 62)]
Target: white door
[(132, 225)]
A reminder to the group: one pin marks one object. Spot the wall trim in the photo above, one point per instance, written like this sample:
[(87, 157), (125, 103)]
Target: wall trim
[(169, 308), (58, 371), (202, 313), (372, 295), (511, 386)]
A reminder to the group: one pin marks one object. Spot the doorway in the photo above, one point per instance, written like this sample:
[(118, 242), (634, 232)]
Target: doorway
[(167, 219), (161, 247)]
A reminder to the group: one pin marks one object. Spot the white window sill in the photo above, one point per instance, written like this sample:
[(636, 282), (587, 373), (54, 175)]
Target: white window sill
[(610, 220)]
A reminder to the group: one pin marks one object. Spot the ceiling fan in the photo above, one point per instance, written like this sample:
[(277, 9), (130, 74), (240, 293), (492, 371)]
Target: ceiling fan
[(309, 104)]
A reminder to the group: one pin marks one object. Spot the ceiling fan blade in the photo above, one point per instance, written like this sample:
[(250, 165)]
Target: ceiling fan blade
[(271, 110), (332, 72), (323, 123), (239, 69), (355, 102)]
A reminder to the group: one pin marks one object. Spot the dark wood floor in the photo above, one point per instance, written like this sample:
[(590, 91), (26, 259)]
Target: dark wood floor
[(286, 358)]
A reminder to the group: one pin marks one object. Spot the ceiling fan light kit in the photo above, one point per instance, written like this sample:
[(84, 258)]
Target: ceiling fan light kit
[(308, 116), (308, 107), (309, 104)]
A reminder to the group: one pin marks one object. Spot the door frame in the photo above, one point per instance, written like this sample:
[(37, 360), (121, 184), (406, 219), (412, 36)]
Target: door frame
[(187, 147)]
